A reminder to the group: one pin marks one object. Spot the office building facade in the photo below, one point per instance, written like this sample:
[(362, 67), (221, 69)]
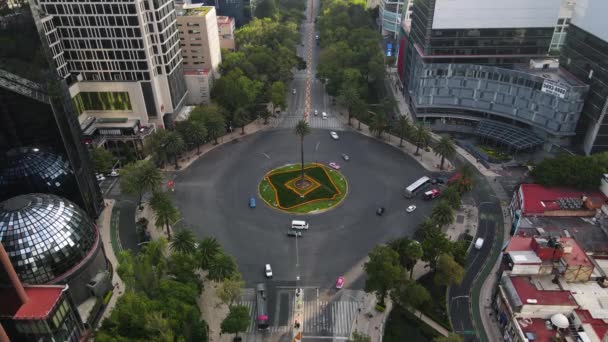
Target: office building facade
[(484, 65), (122, 61), (585, 55)]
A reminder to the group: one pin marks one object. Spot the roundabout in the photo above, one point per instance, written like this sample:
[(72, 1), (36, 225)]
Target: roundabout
[(312, 189), (213, 195)]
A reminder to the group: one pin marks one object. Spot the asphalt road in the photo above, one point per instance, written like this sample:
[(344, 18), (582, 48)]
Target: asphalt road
[(490, 217), (212, 196)]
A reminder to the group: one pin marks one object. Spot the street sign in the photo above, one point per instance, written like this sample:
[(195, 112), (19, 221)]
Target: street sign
[(389, 49)]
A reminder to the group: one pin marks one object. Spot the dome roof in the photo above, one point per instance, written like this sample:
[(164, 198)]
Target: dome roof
[(560, 321), (45, 236), (32, 167)]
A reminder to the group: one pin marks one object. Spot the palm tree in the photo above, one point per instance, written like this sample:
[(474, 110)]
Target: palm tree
[(452, 196), (172, 145), (193, 132), (241, 117), (443, 213), (302, 129), (140, 177), (222, 267), (183, 242), (409, 252), (206, 251), (166, 213), (404, 127), (444, 148), (378, 124), (421, 136)]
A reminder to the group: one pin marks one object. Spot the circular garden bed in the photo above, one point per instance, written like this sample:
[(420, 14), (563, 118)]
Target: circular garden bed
[(322, 188)]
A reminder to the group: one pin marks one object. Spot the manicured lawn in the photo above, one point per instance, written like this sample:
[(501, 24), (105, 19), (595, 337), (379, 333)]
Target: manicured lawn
[(402, 325), (331, 189), (435, 309)]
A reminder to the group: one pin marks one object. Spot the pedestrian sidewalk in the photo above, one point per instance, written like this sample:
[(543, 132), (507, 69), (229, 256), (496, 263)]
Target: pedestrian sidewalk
[(104, 226), (469, 217), (213, 312), (191, 156), (148, 213), (369, 321)]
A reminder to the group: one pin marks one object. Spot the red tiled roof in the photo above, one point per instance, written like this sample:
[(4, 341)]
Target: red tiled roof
[(42, 300), (537, 198), (519, 244), (526, 290), (537, 327), (599, 326), (577, 257)]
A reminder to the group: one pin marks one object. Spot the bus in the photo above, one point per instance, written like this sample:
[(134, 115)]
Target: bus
[(261, 307), (411, 190)]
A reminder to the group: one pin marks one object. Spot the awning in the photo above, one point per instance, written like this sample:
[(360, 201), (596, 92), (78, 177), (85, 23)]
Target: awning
[(515, 137)]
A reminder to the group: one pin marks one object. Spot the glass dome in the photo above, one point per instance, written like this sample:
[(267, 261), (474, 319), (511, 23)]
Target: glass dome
[(36, 169), (44, 235)]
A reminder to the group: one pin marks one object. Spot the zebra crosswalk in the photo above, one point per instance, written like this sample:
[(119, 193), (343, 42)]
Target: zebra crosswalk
[(320, 317)]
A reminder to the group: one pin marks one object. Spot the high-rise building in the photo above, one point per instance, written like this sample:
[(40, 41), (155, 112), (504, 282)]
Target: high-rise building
[(585, 55), (122, 62), (482, 65), (390, 16)]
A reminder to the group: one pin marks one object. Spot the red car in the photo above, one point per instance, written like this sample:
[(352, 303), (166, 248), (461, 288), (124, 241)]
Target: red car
[(340, 282), (334, 165)]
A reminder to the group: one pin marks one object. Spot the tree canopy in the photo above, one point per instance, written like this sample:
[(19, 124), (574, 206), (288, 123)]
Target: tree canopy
[(581, 172), (383, 271)]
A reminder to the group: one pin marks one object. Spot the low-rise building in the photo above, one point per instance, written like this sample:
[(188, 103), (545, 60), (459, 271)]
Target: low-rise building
[(226, 27), (199, 85)]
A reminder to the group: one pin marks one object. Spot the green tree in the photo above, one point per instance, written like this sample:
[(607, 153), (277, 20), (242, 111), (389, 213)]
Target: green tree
[(360, 113), (173, 145), (404, 128), (216, 125), (266, 9), (140, 178), (451, 195), (276, 94), (448, 271), (207, 249), (421, 136), (360, 337), (238, 320), (222, 267), (452, 337), (410, 294), (582, 172), (164, 210), (102, 160), (230, 289), (183, 242), (265, 115), (193, 132), (378, 124), (435, 243), (465, 183), (236, 90), (302, 129), (128, 319), (241, 118), (383, 271), (410, 251), (442, 213), (348, 98), (444, 148)]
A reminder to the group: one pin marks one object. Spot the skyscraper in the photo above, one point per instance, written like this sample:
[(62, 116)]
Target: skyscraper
[(585, 54), (483, 64)]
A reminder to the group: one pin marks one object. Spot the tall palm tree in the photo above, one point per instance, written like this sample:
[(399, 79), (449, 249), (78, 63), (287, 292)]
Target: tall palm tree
[(409, 252), (443, 213), (378, 124), (206, 251), (404, 127), (173, 145), (195, 133), (444, 148), (140, 177), (183, 242), (347, 98), (222, 267), (302, 129), (421, 136), (166, 213)]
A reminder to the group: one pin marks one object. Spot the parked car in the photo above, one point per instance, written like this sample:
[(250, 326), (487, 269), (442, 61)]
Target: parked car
[(334, 135), (340, 282), (268, 271), (294, 233), (345, 156), (380, 211), (335, 166), (411, 208), (251, 202)]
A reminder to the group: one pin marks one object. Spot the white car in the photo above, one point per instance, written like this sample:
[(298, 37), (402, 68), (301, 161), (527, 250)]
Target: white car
[(268, 271), (334, 135), (316, 112), (114, 173), (324, 116), (411, 208), (294, 91), (100, 177)]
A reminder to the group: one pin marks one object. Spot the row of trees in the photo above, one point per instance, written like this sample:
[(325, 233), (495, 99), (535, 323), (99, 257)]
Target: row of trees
[(388, 266), (581, 172)]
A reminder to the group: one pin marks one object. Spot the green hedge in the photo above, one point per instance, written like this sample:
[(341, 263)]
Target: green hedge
[(289, 199)]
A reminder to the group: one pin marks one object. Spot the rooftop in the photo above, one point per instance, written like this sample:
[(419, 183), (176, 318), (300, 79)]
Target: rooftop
[(224, 20), (536, 329), (525, 257), (573, 254), (589, 296), (195, 10), (599, 326), (536, 198), (529, 294), (577, 256), (42, 300)]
